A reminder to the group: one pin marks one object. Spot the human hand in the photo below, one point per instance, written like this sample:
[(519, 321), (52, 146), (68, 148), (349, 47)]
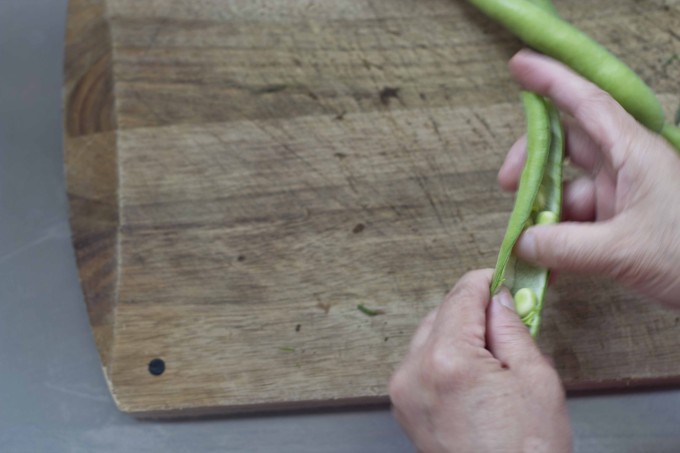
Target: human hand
[(474, 380), (622, 217)]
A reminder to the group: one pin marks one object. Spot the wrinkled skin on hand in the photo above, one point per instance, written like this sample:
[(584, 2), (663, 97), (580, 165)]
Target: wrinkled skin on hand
[(474, 380), (623, 219)]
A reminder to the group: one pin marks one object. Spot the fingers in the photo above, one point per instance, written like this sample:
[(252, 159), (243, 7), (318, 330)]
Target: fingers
[(581, 150), (462, 316), (459, 321), (578, 201), (583, 153), (571, 247), (423, 332), (508, 339), (605, 189), (603, 119), (437, 353), (509, 174)]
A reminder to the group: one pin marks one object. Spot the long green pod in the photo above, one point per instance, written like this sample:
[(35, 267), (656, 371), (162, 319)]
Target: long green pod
[(549, 34), (529, 282), (672, 135), (552, 177), (538, 143), (546, 5)]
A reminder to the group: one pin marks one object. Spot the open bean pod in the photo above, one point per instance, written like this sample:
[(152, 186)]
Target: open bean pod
[(538, 146), (528, 283), (538, 200)]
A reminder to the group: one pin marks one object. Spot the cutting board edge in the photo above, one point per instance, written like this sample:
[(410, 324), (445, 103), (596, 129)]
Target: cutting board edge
[(104, 345), (573, 389), (88, 87)]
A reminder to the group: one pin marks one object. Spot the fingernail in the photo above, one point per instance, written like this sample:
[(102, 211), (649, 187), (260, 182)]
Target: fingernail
[(505, 299)]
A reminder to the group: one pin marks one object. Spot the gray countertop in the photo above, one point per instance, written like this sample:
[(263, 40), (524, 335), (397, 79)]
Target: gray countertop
[(53, 397)]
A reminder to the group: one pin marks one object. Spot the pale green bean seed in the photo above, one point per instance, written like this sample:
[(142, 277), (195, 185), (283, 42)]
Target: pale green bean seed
[(546, 218), (540, 201), (525, 302)]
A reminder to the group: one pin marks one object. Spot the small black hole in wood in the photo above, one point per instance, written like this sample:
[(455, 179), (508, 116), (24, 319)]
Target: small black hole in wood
[(156, 367)]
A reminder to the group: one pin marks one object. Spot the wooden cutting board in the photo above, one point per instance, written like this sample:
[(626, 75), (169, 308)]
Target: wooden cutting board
[(243, 174)]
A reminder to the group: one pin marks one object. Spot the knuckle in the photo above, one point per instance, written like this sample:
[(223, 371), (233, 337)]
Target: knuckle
[(542, 368), (540, 375), (636, 266), (625, 261), (442, 370), (470, 284), (514, 333), (398, 387), (596, 101), (539, 372), (563, 250), (596, 104), (471, 333)]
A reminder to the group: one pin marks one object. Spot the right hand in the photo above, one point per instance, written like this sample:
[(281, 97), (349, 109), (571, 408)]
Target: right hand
[(475, 381), (623, 217)]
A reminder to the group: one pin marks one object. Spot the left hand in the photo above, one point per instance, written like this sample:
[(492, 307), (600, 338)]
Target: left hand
[(475, 381)]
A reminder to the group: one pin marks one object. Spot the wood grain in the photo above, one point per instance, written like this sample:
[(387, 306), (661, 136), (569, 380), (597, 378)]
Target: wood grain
[(91, 165), (243, 174)]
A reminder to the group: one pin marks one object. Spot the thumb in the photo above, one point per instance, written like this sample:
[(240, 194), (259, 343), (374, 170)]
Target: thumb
[(507, 337), (571, 247)]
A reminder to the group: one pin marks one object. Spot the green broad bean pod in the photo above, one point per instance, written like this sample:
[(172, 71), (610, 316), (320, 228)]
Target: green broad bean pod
[(672, 135), (538, 146), (546, 5), (546, 32), (528, 283), (525, 278)]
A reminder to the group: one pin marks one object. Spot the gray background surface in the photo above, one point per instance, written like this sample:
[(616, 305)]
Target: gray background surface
[(53, 397)]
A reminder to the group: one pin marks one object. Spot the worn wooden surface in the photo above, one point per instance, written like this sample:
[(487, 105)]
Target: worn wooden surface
[(243, 174)]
